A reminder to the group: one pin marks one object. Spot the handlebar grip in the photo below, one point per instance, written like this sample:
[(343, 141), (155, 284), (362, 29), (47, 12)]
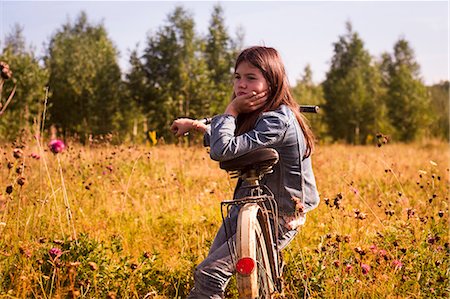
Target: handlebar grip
[(309, 108)]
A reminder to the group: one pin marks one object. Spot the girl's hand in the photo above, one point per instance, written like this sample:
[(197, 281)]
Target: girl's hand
[(182, 126), (246, 103)]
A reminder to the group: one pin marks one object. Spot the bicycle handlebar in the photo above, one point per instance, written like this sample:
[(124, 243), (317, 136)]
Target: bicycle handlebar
[(303, 109), (309, 108)]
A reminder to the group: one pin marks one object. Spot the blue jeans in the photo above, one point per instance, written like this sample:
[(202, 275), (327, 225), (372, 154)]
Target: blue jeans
[(212, 275)]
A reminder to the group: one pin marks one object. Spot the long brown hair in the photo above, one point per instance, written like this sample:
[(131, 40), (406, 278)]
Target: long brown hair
[(269, 62)]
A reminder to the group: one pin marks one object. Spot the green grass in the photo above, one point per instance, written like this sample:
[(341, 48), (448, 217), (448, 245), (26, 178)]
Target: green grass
[(134, 221)]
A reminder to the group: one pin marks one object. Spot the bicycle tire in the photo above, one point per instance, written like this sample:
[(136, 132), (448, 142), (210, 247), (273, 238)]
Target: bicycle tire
[(250, 242)]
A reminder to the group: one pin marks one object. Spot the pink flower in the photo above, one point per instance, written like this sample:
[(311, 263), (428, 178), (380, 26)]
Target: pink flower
[(348, 268), (55, 252), (56, 146), (35, 156), (373, 248), (365, 269), (397, 264), (354, 190), (382, 252)]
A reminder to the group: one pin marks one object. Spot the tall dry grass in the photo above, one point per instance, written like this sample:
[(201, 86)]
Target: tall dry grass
[(132, 222)]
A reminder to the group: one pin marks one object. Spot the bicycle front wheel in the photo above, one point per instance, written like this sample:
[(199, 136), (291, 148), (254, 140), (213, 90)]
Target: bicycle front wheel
[(253, 271)]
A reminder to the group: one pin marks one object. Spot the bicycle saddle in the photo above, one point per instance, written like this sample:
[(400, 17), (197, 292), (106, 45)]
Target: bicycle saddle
[(260, 159)]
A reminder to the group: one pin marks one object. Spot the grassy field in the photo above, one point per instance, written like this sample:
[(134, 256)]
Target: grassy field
[(132, 222)]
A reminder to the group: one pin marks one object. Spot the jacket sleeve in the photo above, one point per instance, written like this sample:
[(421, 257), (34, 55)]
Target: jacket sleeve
[(269, 129)]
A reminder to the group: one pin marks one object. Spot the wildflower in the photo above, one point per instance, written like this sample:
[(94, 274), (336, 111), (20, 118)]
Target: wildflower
[(348, 268), (93, 266), (373, 248), (56, 146), (9, 189), (25, 251), (365, 269), (389, 212), (397, 264), (35, 156), (354, 190), (431, 240), (362, 216), (17, 153), (382, 253), (55, 252), (21, 181), (360, 250)]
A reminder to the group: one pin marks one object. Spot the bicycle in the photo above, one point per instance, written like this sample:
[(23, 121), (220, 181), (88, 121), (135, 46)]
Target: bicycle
[(255, 253)]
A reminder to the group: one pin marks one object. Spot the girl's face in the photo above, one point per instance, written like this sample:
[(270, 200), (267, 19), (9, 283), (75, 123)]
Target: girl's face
[(248, 79)]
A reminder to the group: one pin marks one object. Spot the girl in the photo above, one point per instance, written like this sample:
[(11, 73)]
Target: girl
[(262, 113)]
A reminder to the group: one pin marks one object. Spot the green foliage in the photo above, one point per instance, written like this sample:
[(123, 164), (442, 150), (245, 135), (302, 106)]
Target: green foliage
[(407, 99), (308, 93), (170, 66), (31, 79), (353, 107), (220, 53), (439, 107), (85, 80), (181, 73)]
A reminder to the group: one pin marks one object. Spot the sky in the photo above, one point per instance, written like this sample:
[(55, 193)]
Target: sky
[(302, 31)]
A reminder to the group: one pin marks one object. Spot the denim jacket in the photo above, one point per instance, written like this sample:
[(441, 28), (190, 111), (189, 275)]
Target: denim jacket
[(292, 178)]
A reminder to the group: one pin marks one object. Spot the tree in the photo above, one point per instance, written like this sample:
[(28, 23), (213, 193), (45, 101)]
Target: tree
[(85, 80), (407, 99), (308, 93), (31, 79), (136, 90), (439, 106), (353, 108), (220, 54), (176, 74)]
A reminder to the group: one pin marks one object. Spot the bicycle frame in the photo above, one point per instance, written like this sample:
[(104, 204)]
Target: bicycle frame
[(263, 197)]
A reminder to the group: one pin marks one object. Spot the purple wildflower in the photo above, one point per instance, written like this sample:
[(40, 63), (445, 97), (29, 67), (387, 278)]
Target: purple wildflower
[(397, 264), (382, 252), (35, 156), (365, 269), (56, 146), (348, 268), (55, 252)]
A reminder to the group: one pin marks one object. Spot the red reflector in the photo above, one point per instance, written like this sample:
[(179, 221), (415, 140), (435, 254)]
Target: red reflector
[(245, 266)]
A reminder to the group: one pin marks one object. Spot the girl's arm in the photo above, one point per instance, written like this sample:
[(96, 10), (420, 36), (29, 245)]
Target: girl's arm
[(182, 126)]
